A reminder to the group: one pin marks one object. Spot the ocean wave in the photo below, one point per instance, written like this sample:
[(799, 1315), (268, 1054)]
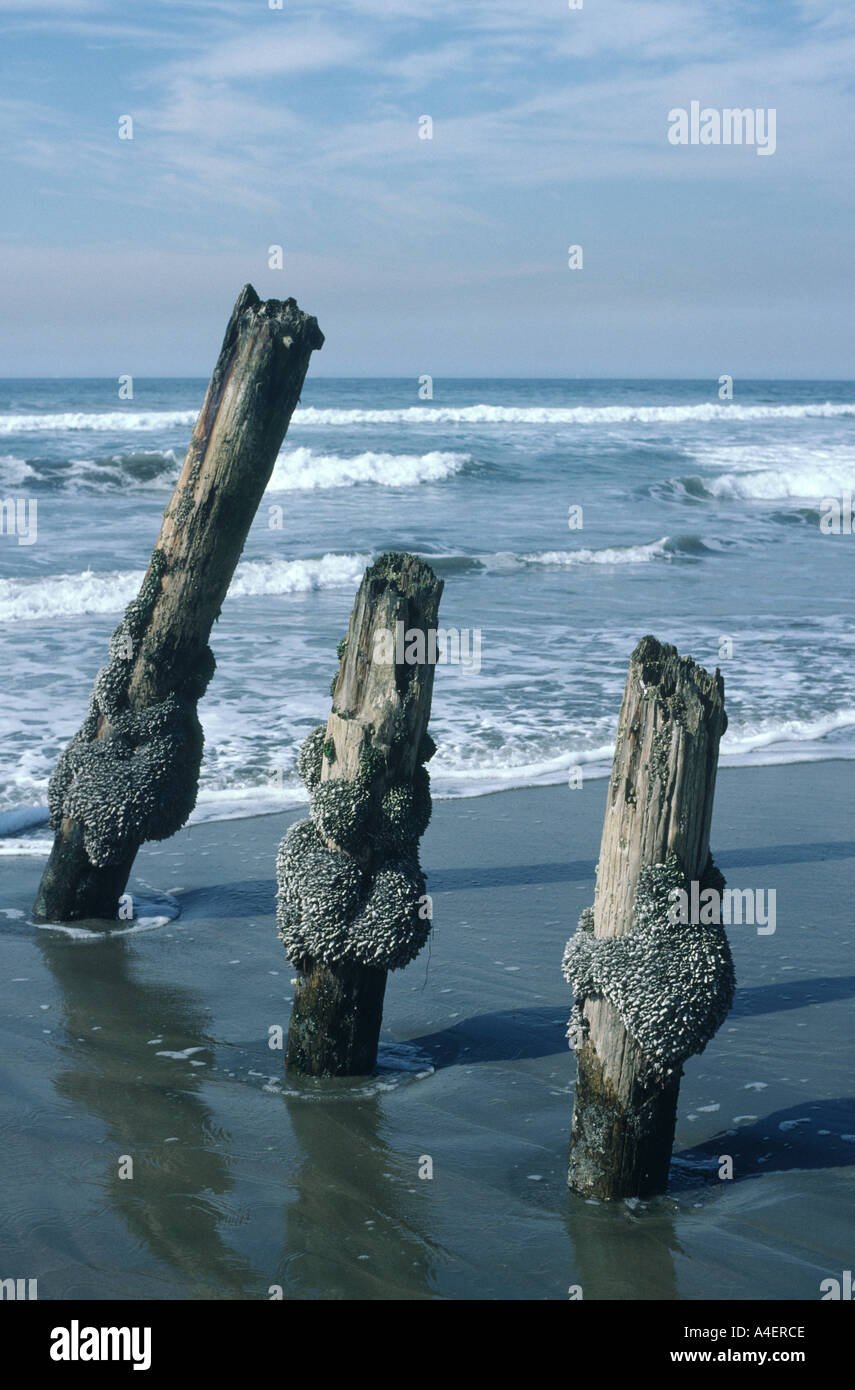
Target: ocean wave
[(109, 591), (67, 595), (765, 485), (14, 471), (464, 766), (301, 469), (749, 737), (22, 818), (295, 470), (72, 595), (778, 472), (797, 516), (780, 485), (30, 849), (119, 421), (665, 548), (568, 415), (254, 577), (107, 421), (461, 564), (463, 769), (143, 470)]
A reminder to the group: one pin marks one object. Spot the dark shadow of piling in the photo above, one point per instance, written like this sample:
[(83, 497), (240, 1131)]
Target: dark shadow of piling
[(791, 994), (251, 897), (510, 1035), (510, 875), (728, 859), (776, 1143), (505, 1035)]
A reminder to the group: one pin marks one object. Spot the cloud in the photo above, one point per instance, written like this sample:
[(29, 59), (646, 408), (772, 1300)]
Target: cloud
[(51, 6), (268, 52), (255, 127)]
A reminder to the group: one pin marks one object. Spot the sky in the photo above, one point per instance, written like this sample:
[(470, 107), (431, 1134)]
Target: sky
[(299, 127)]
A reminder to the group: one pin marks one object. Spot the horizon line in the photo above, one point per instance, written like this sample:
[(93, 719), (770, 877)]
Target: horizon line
[(831, 380)]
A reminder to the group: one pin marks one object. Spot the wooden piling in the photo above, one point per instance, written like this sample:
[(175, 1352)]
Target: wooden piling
[(659, 809), (365, 917), (160, 661)]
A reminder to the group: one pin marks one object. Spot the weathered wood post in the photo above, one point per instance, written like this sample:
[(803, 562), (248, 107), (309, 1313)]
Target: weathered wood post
[(651, 986), (351, 903), (131, 772)]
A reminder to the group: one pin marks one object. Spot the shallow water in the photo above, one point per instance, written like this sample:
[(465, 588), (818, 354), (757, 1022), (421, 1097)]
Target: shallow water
[(155, 1046)]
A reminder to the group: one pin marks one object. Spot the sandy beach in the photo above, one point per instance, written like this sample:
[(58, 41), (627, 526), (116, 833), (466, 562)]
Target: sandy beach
[(154, 1045)]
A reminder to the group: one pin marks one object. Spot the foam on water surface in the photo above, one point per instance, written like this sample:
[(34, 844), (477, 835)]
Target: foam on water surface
[(75, 595), (151, 912), (398, 1064), (683, 496)]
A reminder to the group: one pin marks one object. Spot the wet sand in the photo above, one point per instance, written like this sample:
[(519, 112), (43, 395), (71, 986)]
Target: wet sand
[(153, 1045)]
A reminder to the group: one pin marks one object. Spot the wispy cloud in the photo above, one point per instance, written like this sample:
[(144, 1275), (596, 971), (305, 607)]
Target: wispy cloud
[(262, 55), (300, 127)]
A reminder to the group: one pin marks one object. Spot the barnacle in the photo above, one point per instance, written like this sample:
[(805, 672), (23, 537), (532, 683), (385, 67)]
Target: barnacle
[(310, 757), (328, 907), (672, 984), (340, 811), (139, 780)]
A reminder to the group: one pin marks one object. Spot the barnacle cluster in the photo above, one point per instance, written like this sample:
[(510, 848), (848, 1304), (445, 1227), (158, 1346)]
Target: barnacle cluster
[(671, 984), (138, 780), (329, 907)]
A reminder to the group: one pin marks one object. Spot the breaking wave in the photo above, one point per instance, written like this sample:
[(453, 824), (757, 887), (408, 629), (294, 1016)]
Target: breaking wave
[(71, 595), (779, 472), (301, 469), (777, 485), (148, 420), (568, 415), (107, 421), (295, 470), (664, 549)]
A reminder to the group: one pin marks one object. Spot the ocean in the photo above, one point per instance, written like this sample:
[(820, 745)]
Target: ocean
[(567, 517)]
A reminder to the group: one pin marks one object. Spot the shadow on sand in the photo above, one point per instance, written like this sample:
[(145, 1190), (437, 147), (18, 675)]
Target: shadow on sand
[(810, 1135)]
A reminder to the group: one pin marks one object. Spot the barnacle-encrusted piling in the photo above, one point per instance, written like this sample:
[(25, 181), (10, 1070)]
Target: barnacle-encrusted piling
[(130, 774), (649, 991), (351, 903)]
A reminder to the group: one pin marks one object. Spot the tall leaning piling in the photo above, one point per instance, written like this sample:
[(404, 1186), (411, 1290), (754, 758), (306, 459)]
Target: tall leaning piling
[(131, 772), (650, 988), (351, 902)]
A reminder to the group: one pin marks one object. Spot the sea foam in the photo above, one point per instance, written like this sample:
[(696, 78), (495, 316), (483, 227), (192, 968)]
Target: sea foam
[(296, 470), (118, 421), (811, 482), (101, 421), (301, 469), (569, 415), (609, 555), (70, 595)]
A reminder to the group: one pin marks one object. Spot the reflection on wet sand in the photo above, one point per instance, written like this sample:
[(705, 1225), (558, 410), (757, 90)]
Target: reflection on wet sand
[(352, 1232), (172, 1205), (621, 1253)]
